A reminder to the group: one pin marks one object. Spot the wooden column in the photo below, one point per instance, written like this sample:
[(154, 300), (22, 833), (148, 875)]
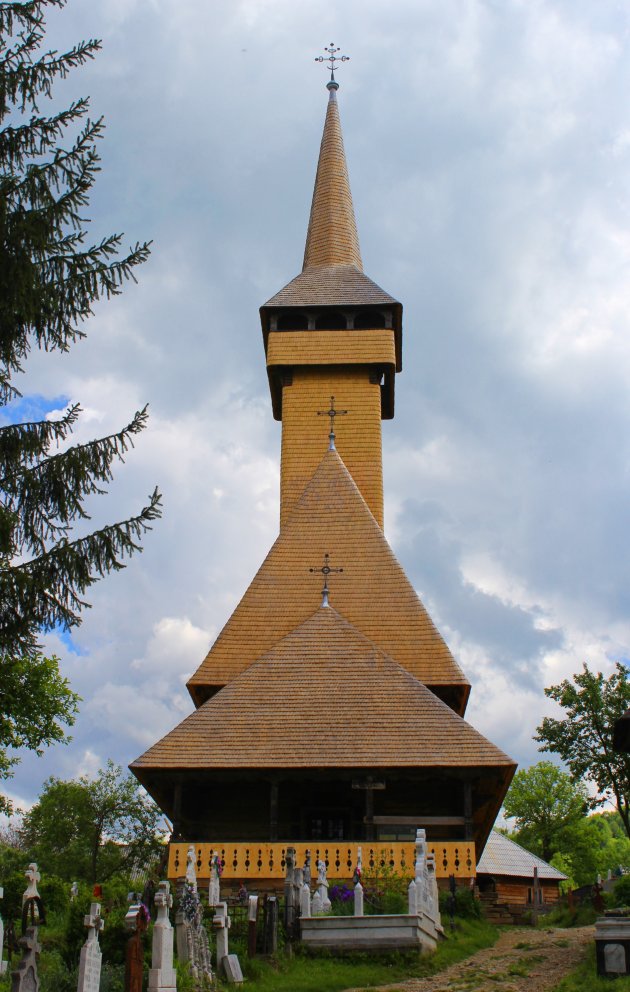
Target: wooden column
[(273, 810), (369, 814), (177, 810), (468, 809)]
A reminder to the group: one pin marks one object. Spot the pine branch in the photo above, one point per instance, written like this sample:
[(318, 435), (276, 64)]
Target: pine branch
[(48, 590), (48, 496), (38, 136), (22, 444)]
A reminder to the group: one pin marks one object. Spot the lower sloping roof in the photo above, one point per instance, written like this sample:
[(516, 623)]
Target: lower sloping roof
[(325, 696), (503, 856), (373, 591)]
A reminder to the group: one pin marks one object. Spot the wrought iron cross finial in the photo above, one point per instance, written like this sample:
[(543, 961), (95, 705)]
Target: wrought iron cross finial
[(332, 413), (332, 58), (325, 570)]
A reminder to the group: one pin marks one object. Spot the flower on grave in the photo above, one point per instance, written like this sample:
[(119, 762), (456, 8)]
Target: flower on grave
[(217, 864), (356, 877), (340, 893), (144, 913), (189, 903)]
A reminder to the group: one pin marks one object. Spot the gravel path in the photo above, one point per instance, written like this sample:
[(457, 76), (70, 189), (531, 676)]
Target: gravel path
[(522, 960)]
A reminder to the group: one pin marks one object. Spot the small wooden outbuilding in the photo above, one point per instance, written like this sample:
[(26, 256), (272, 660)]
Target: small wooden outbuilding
[(513, 881)]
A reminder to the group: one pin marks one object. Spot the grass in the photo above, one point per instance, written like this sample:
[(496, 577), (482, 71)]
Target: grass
[(585, 979), (328, 973)]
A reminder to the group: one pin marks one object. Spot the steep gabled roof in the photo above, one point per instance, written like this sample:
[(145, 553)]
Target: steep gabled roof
[(373, 592), (324, 697), (503, 856)]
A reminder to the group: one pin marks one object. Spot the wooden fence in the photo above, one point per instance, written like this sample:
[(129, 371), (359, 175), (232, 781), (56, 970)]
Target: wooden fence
[(263, 860)]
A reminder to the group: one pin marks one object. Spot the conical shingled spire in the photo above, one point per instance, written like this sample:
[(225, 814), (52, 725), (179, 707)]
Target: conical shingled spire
[(332, 237)]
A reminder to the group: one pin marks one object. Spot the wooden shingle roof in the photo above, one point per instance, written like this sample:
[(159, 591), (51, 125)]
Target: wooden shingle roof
[(332, 237), (324, 696), (373, 592)]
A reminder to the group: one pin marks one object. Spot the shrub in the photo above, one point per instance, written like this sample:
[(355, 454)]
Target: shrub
[(622, 891)]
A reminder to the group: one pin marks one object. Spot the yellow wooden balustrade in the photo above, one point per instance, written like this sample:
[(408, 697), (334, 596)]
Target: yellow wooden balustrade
[(264, 860)]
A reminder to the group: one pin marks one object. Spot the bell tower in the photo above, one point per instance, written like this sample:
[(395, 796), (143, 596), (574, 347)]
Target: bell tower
[(332, 332)]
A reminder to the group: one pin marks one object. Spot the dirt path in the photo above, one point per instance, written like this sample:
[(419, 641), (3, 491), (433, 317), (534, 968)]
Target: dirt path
[(522, 960)]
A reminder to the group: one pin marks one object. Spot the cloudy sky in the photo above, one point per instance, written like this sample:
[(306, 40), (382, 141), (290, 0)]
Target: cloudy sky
[(488, 143)]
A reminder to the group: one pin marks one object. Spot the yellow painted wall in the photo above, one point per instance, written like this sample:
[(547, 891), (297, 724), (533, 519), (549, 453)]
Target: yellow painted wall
[(305, 435)]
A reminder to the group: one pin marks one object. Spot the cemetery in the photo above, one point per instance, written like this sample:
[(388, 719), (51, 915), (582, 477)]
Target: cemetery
[(326, 814)]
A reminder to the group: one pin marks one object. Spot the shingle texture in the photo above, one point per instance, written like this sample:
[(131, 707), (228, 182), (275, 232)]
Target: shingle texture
[(339, 285), (502, 856), (373, 592), (332, 231), (324, 696), (373, 347)]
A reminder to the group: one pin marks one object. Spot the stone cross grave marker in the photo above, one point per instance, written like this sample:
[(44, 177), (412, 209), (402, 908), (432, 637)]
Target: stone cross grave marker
[(162, 976), (25, 977), (191, 868), (322, 885), (358, 888), (90, 960)]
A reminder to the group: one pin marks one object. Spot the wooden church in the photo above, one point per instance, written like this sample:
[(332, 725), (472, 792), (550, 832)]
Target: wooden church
[(329, 710)]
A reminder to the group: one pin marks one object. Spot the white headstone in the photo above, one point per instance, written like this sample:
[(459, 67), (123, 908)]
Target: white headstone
[(412, 893), (162, 976), (214, 888), (90, 960), (305, 900), (358, 899), (232, 969), (316, 905), (322, 886), (191, 867), (3, 963), (221, 924)]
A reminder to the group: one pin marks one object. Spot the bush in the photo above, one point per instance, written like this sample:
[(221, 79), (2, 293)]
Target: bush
[(466, 905), (621, 891)]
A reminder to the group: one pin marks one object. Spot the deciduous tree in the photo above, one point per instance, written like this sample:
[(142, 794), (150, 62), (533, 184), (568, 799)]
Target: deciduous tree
[(583, 739), (92, 830), (546, 804)]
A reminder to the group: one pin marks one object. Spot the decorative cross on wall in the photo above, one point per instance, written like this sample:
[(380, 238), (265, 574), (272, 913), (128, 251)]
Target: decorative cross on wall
[(332, 58), (325, 570), (332, 413)]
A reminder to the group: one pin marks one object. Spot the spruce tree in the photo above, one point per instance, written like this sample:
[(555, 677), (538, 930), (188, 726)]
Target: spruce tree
[(50, 278)]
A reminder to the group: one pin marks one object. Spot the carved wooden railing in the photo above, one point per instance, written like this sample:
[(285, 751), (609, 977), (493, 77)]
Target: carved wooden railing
[(262, 860)]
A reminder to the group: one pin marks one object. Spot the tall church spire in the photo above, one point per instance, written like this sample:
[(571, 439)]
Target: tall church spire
[(332, 237)]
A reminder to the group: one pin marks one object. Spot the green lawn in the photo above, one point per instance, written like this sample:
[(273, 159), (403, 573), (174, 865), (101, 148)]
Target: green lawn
[(310, 973), (584, 978)]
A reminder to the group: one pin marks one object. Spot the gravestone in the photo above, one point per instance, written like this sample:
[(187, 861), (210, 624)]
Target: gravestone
[(305, 900), (74, 891), (270, 925), (32, 905), (316, 905), (162, 976), (214, 888), (25, 977), (358, 899), (232, 969), (252, 922), (322, 886), (136, 922), (290, 894), (90, 960), (192, 938), (3, 963)]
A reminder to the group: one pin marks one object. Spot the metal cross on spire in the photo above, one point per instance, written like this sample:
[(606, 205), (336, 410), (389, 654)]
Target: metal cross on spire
[(332, 58), (332, 413), (325, 570)]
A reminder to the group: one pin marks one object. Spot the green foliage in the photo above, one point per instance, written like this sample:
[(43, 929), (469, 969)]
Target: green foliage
[(35, 700), (466, 906), (621, 891), (385, 888), (92, 830), (546, 804), (583, 739), (50, 278)]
